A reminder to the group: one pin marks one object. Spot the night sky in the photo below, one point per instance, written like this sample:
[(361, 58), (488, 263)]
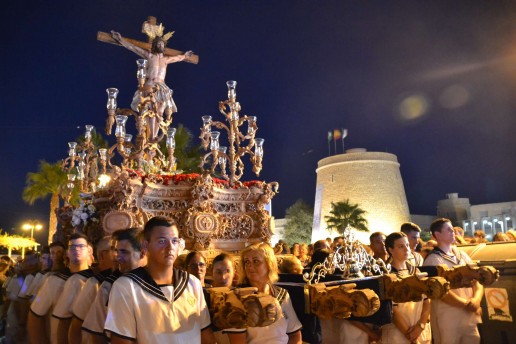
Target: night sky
[(433, 82)]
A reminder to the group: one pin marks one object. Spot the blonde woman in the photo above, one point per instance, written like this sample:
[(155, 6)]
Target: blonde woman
[(259, 269)]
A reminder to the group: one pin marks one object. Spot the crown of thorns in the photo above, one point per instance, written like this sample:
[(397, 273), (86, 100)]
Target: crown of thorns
[(157, 31)]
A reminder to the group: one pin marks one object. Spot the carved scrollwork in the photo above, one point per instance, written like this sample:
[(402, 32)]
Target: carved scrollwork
[(342, 301), (204, 208), (412, 287), (242, 308), (462, 276), (235, 227), (164, 204)]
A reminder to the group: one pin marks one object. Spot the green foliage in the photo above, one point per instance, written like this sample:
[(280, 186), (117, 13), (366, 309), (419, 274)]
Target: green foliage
[(426, 235), (49, 180), (300, 217), (188, 157), (345, 214), (97, 139)]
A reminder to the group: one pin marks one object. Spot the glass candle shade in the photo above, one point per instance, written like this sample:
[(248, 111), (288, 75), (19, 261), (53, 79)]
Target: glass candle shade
[(231, 89), (120, 125), (258, 147), (142, 69), (71, 150), (112, 94), (171, 141), (87, 132), (251, 120), (214, 145)]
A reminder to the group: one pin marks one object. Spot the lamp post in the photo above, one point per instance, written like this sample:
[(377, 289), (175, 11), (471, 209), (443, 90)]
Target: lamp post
[(31, 225)]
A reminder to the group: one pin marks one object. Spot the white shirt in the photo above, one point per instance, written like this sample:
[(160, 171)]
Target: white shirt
[(47, 297), (85, 299), (139, 310), (445, 318), (72, 288), (96, 316)]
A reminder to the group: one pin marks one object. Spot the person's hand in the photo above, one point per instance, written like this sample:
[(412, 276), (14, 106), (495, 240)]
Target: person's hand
[(116, 36), (473, 306), (414, 332), (374, 335)]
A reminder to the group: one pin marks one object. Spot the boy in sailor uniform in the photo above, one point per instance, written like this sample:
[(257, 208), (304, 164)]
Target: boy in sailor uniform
[(454, 318), (78, 254), (128, 256), (157, 303)]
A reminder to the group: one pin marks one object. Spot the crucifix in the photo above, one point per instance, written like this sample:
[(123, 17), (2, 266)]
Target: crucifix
[(151, 22), (157, 58)]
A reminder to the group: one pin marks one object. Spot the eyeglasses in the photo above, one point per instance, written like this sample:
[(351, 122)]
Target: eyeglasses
[(194, 265), (162, 242), (79, 246)]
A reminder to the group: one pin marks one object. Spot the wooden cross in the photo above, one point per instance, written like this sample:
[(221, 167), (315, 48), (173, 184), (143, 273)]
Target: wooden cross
[(151, 21)]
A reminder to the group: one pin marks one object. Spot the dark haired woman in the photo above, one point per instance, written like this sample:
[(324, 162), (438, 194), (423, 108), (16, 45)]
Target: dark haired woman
[(410, 319)]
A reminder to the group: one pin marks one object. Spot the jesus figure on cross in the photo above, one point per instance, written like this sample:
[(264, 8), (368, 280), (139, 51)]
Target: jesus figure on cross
[(157, 63)]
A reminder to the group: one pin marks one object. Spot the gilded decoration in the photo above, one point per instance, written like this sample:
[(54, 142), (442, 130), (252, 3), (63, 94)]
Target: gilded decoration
[(140, 179), (461, 276), (411, 288), (342, 301), (242, 308)]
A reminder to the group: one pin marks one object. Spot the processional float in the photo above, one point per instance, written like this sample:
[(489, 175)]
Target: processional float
[(127, 183), (212, 212)]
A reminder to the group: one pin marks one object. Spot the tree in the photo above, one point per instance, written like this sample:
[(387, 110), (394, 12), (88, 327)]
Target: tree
[(343, 214), (188, 157), (300, 217), (49, 180)]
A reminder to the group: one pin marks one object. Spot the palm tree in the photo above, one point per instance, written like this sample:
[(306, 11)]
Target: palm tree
[(343, 214), (188, 156), (49, 180)]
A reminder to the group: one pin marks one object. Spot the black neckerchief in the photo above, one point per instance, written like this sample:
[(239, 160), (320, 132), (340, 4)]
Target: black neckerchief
[(145, 281)]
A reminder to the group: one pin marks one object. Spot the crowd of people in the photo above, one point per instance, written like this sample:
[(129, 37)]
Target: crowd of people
[(137, 286)]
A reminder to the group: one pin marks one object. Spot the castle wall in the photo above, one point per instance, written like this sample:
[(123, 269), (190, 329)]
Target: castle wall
[(370, 179)]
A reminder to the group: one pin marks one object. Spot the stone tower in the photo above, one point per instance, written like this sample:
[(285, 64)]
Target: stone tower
[(454, 208), (370, 179)]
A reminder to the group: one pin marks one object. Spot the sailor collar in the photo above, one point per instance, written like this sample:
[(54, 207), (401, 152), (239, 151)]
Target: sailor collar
[(113, 277), (63, 274), (455, 258), (411, 269), (87, 273), (279, 293), (141, 277), (101, 276)]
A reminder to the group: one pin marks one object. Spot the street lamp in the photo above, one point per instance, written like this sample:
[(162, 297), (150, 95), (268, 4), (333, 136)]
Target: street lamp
[(31, 225)]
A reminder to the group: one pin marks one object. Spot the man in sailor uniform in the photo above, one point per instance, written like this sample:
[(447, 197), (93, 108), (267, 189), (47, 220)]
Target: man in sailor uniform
[(41, 326), (129, 256), (157, 303), (79, 255), (454, 318), (81, 306)]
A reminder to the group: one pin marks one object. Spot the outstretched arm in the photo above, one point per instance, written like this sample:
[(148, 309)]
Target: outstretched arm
[(129, 46), (178, 58)]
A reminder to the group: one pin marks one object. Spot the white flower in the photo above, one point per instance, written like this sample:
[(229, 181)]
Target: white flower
[(83, 213)]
